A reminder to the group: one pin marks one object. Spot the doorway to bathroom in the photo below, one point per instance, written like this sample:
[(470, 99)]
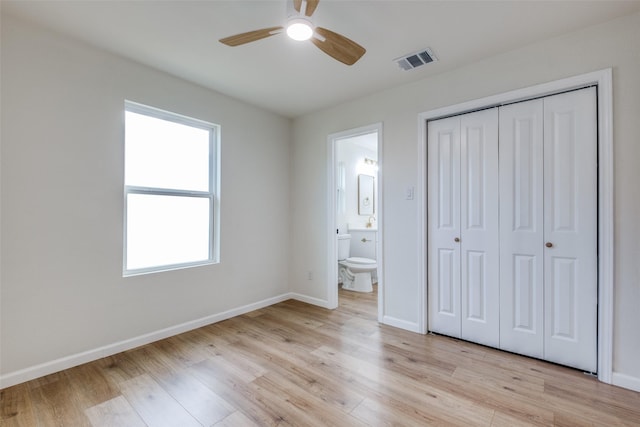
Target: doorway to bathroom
[(355, 271)]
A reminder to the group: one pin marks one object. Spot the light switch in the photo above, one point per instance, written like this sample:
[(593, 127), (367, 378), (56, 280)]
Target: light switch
[(409, 193)]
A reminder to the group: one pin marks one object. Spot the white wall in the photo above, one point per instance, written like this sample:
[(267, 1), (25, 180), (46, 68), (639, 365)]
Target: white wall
[(62, 198), (615, 44)]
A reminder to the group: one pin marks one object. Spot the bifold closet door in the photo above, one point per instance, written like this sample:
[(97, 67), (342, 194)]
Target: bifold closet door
[(462, 223), (548, 228), (512, 234), (570, 222)]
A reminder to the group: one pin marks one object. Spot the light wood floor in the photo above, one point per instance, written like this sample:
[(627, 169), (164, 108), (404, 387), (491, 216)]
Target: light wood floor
[(293, 364)]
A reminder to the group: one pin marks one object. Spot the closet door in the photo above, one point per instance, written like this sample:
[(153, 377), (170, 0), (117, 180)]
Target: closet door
[(443, 226), (512, 234), (521, 229), (479, 243), (570, 216), (463, 227)]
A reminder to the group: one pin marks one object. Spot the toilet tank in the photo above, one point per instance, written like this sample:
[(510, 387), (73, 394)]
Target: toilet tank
[(344, 244)]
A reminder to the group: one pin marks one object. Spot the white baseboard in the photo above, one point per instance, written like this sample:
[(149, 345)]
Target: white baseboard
[(402, 324), (309, 300), (625, 381), (67, 362)]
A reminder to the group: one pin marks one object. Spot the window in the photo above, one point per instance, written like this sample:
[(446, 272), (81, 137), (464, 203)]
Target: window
[(171, 191)]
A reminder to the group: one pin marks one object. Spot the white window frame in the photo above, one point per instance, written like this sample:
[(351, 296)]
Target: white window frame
[(213, 195)]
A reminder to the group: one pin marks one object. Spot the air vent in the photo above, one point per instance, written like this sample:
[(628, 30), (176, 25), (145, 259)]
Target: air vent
[(415, 60)]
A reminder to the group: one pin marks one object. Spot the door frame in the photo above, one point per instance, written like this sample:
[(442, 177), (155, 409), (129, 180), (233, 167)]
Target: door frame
[(602, 79), (332, 242)]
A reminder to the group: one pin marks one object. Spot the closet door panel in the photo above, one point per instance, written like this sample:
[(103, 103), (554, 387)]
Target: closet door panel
[(479, 227), (521, 228), (443, 225), (570, 167)]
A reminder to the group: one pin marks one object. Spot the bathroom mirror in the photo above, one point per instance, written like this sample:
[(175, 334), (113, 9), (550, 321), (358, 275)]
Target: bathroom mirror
[(365, 195)]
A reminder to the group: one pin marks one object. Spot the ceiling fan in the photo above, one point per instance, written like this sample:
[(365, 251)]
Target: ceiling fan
[(300, 27)]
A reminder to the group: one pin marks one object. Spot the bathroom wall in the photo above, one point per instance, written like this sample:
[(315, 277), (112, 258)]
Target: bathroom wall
[(615, 44), (352, 155), (62, 292)]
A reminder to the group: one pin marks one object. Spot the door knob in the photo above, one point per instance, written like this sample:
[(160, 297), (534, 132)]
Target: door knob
[(549, 244), (457, 239)]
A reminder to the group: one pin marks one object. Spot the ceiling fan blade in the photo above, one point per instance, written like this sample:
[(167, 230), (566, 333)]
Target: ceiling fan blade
[(250, 36), (337, 46), (311, 7)]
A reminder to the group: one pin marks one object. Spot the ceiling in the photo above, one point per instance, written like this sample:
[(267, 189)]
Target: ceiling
[(295, 78)]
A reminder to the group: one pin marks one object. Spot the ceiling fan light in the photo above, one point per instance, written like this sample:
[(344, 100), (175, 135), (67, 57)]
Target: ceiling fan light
[(299, 29)]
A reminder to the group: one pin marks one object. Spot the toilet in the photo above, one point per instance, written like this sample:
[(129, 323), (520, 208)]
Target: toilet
[(355, 272)]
